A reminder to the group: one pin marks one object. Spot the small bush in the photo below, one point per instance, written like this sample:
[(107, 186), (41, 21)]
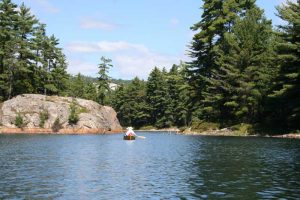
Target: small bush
[(147, 128), (73, 117), (44, 116), (183, 128), (56, 126), (19, 122), (83, 110), (204, 126), (243, 129)]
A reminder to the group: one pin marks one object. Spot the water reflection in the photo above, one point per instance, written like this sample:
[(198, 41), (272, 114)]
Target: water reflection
[(163, 166), (246, 168)]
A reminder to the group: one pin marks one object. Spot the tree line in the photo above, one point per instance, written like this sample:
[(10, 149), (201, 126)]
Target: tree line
[(243, 71), (32, 62)]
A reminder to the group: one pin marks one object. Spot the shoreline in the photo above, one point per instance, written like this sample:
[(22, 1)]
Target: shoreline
[(64, 131), (86, 131), (289, 135), (224, 133)]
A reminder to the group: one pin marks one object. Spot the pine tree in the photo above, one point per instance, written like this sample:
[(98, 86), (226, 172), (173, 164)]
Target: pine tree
[(285, 99), (246, 70), (24, 73), (8, 43), (39, 39), (103, 79), (77, 86), (177, 89), (30, 62), (136, 91), (90, 91), (130, 103), (217, 19), (54, 67), (118, 102), (158, 99)]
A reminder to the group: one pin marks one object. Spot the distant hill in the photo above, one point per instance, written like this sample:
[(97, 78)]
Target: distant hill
[(116, 81), (120, 81)]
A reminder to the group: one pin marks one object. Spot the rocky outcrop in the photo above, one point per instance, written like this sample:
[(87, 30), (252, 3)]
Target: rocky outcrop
[(92, 117)]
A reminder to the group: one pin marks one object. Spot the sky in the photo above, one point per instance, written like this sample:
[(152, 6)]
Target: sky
[(136, 34)]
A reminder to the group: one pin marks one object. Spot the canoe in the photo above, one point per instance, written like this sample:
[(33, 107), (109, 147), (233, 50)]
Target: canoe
[(128, 137)]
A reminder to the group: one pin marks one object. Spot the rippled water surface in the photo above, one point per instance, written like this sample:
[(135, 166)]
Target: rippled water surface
[(162, 166)]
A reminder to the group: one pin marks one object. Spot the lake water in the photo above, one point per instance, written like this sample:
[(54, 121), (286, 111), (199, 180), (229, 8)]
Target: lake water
[(162, 166)]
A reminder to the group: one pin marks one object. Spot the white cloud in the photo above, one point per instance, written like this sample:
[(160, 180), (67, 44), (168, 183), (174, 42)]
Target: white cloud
[(129, 59), (120, 46), (89, 23), (46, 5), (82, 47), (104, 46), (141, 66), (78, 66)]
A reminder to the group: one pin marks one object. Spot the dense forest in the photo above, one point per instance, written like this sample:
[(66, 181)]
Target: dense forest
[(244, 72)]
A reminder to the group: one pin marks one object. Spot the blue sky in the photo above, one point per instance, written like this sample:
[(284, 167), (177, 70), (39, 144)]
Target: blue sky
[(136, 34)]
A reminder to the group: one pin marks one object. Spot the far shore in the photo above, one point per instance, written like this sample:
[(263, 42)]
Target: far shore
[(222, 133), (85, 131), (232, 134)]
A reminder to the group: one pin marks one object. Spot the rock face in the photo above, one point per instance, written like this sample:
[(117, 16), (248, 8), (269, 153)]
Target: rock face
[(31, 106)]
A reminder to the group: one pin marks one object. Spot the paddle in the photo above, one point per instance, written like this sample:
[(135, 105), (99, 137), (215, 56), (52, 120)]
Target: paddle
[(142, 137)]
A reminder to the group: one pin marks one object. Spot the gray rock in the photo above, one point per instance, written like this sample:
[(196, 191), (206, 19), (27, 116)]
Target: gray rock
[(91, 114)]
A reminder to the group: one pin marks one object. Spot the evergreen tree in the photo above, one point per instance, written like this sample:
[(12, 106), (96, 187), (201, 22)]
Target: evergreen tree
[(39, 41), (8, 43), (90, 91), (103, 79), (285, 99), (25, 58), (77, 86), (118, 102), (30, 62), (217, 19), (54, 67), (137, 96), (177, 89), (130, 103), (158, 99), (246, 70)]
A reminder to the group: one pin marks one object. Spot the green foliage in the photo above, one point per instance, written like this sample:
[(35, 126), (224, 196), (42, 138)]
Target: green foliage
[(178, 92), (103, 79), (73, 117), (30, 61), (235, 92), (44, 116), (218, 18), (243, 129), (130, 104), (56, 126), (284, 101), (201, 126), (159, 99), (19, 122), (160, 102), (147, 128), (241, 72)]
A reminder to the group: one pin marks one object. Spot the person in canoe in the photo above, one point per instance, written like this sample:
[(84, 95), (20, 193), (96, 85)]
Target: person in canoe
[(130, 132)]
